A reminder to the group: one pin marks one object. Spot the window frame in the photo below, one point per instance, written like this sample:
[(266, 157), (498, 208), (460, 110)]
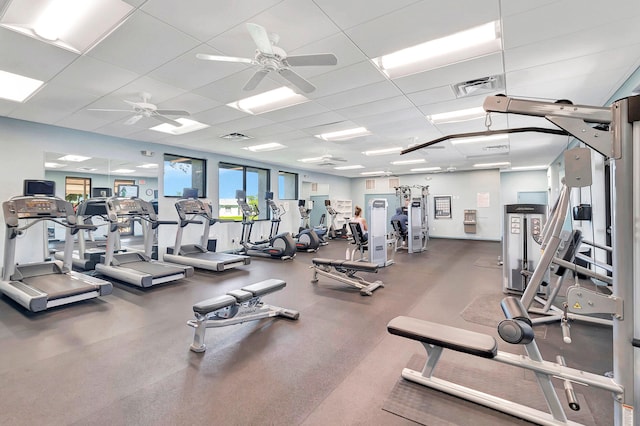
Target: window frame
[(281, 190), (203, 180), (253, 199)]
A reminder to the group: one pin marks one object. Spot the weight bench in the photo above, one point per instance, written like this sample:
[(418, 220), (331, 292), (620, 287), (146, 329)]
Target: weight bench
[(236, 307), (515, 329), (345, 272)]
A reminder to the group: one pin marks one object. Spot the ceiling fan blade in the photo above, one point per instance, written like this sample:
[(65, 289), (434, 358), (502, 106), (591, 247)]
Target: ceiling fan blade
[(260, 38), (310, 60), (133, 120), (297, 80), (206, 57), (255, 80), (166, 120), (111, 110), (133, 104), (173, 112)]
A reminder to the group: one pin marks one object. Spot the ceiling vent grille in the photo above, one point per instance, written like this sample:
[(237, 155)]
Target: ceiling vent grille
[(370, 184), (236, 137), (479, 86)]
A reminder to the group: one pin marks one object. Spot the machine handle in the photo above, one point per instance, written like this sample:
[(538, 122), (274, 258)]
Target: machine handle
[(82, 226), (566, 333), (169, 222), (572, 400)]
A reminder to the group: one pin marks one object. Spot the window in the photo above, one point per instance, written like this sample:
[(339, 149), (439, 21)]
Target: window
[(253, 180), (287, 186), (124, 183), (76, 189), (182, 172)]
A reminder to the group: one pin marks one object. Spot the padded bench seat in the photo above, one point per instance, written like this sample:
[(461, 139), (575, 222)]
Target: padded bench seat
[(238, 296), (214, 304), (453, 338), (264, 287), (347, 264)]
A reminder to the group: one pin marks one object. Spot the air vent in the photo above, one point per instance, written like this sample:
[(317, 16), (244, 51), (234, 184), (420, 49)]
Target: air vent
[(370, 184), (479, 86), (394, 182), (314, 187), (236, 137)]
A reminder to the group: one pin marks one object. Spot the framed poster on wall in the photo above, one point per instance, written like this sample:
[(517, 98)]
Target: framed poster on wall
[(442, 204)]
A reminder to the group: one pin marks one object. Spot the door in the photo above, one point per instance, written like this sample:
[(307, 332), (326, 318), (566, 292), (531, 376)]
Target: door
[(318, 210)]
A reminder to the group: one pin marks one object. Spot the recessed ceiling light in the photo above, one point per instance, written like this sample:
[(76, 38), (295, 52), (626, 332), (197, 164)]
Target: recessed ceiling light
[(380, 172), (87, 169), (426, 169), (18, 88), (50, 165), (314, 159), (124, 171), (414, 161), (187, 126), (75, 158), (353, 167), (503, 163), (269, 101), (457, 116), (475, 139), (273, 146), (384, 151), (343, 135), (471, 43), (148, 166), (75, 25), (529, 167)]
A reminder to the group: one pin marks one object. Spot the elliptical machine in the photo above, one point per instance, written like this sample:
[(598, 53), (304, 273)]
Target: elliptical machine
[(278, 246), (332, 232)]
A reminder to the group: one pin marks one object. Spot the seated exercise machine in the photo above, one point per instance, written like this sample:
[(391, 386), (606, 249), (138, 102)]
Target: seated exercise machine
[(43, 285), (613, 132), (515, 329), (345, 271), (135, 267), (236, 307), (196, 211), (305, 222)]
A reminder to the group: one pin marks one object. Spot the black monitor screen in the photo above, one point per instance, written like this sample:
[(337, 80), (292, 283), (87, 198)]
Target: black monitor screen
[(39, 187), (268, 195), (190, 193), (301, 203), (127, 191), (101, 192)]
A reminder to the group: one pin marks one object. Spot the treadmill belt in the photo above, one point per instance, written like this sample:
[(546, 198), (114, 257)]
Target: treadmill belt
[(58, 286), (216, 257), (155, 269)]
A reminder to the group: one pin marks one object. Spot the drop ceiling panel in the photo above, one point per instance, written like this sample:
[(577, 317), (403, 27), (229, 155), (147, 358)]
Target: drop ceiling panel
[(360, 95), (348, 14), (377, 107), (29, 57), (219, 115), (420, 22), (360, 74), (47, 105), (272, 132), (86, 120), (94, 76), (142, 43), (189, 102), (345, 51), (204, 19), (245, 124), (229, 89), (311, 122), (432, 96)]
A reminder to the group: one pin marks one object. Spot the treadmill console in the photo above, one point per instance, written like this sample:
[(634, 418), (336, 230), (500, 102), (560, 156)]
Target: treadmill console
[(190, 206), (123, 207), (37, 208)]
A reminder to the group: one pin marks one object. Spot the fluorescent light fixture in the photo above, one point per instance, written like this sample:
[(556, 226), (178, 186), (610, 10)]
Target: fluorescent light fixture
[(74, 158), (50, 165), (474, 42), (123, 171), (353, 167), (88, 169), (187, 126), (475, 139), (75, 25), (426, 169), (273, 146), (384, 151), (343, 135), (313, 159), (18, 88), (414, 161), (529, 167), (504, 163), (457, 116), (148, 166), (379, 172), (269, 101)]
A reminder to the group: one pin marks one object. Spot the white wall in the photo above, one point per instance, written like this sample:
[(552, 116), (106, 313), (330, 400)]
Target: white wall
[(463, 187), (526, 181)]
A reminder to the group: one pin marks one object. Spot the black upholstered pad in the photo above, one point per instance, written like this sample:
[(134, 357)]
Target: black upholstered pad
[(453, 338), (214, 304), (264, 287), (347, 264)]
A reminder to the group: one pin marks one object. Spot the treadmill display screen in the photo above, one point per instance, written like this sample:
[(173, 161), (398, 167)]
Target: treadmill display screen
[(38, 206), (127, 206)]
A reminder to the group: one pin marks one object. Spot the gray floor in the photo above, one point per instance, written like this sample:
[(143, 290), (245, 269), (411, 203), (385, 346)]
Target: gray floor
[(124, 359)]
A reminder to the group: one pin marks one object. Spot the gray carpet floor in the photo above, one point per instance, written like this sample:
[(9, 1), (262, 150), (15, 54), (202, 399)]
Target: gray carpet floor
[(124, 359)]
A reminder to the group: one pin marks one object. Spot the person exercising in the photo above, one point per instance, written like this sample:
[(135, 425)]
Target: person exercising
[(402, 217), (362, 221)]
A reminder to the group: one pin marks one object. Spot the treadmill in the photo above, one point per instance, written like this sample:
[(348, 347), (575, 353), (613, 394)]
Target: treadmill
[(195, 211), (43, 285), (135, 267)]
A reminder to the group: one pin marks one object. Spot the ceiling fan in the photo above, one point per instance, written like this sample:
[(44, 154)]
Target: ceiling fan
[(143, 108), (329, 160), (270, 57)]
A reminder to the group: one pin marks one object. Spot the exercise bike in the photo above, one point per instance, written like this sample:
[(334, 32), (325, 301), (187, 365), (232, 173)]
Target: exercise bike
[(277, 246)]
